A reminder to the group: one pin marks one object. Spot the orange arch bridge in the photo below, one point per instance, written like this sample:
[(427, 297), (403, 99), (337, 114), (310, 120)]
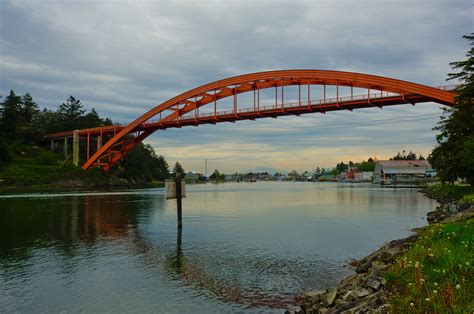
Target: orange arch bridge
[(105, 146)]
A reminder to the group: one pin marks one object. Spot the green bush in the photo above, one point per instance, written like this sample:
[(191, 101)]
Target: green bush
[(448, 192)]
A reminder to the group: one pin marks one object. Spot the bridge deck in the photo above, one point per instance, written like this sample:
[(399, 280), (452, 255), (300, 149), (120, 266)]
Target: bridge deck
[(252, 113)]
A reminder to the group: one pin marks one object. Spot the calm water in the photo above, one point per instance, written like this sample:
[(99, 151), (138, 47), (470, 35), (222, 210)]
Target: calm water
[(244, 247)]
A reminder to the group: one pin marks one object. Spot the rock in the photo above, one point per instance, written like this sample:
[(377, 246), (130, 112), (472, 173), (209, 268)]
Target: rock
[(363, 268), (374, 284), (294, 309), (331, 296), (453, 208), (323, 310), (352, 281), (361, 292), (348, 296), (377, 265), (436, 216), (313, 294)]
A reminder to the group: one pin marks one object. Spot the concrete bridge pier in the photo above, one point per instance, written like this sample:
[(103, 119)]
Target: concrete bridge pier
[(99, 142), (75, 148)]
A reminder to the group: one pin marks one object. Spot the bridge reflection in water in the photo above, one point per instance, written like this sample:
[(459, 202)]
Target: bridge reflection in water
[(77, 224), (247, 245)]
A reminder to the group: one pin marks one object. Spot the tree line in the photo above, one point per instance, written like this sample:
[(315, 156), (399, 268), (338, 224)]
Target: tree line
[(454, 156), (22, 122)]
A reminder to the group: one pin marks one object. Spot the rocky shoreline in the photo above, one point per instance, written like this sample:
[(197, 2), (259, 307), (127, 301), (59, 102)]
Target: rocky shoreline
[(366, 291)]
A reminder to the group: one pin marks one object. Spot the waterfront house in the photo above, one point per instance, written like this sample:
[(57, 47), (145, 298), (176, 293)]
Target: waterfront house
[(327, 177), (192, 177), (406, 172)]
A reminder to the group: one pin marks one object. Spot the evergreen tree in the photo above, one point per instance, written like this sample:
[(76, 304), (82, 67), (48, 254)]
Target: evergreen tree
[(11, 116), (30, 108), (454, 156), (28, 129), (216, 175), (162, 168), (178, 169), (70, 114)]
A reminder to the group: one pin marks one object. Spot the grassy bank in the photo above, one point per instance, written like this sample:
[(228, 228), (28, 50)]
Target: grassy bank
[(436, 274), (33, 166), (445, 193)]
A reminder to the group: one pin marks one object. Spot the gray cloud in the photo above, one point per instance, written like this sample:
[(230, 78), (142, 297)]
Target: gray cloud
[(123, 58)]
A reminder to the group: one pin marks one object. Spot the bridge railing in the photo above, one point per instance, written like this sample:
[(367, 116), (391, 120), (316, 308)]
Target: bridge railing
[(287, 105), (292, 104), (295, 104)]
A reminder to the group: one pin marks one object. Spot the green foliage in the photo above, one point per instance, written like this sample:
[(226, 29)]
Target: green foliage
[(448, 193), (27, 174), (19, 119), (142, 165), (217, 176), (162, 169), (454, 155), (404, 156), (5, 153), (22, 122), (24, 162), (33, 166), (366, 165), (436, 274), (72, 109), (72, 116), (178, 169), (468, 198), (341, 167)]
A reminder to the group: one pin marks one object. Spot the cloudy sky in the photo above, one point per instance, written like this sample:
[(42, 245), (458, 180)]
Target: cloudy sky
[(125, 57)]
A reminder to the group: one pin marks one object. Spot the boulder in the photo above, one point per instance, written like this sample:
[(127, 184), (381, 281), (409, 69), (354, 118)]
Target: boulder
[(294, 310), (313, 294), (374, 284), (331, 296), (361, 292), (348, 296)]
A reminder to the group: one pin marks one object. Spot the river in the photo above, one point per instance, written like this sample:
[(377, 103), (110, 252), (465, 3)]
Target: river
[(244, 246)]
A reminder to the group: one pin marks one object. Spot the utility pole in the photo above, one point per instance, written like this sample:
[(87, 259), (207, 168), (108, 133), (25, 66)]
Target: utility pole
[(205, 169)]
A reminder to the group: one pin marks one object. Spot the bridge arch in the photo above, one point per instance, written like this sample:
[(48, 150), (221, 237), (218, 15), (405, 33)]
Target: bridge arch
[(170, 111)]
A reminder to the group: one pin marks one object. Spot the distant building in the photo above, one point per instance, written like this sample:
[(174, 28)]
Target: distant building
[(355, 176), (392, 172), (364, 176), (192, 177), (327, 177)]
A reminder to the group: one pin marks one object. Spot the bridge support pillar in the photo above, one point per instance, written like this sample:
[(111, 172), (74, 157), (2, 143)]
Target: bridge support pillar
[(99, 142), (75, 148), (65, 147)]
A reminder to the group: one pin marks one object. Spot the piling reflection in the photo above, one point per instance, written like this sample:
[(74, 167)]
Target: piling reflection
[(242, 245), (191, 273), (68, 224)]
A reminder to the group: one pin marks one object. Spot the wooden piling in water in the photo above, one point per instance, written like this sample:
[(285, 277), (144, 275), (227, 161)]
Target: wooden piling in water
[(179, 200)]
